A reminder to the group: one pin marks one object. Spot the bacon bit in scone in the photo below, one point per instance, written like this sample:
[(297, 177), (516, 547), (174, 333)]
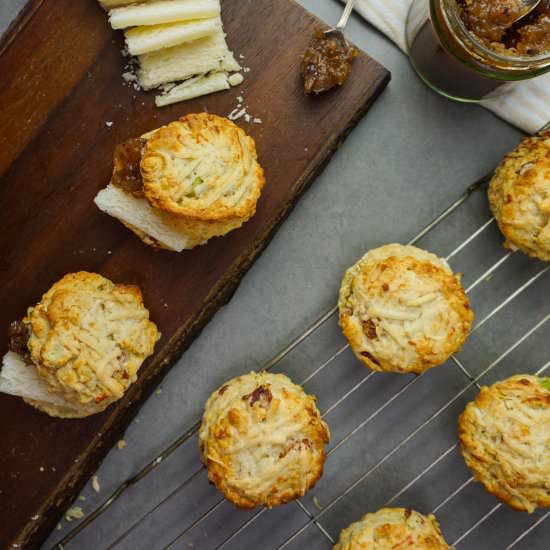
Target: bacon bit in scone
[(370, 356), (223, 389), (370, 329), (261, 394), (296, 446), (385, 287)]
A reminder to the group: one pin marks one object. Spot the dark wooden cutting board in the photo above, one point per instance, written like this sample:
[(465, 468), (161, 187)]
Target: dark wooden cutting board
[(61, 65)]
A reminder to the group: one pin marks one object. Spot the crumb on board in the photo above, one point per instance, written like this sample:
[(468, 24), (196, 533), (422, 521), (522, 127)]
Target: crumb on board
[(235, 79), (158, 391), (34, 518), (59, 527), (41, 468), (95, 484), (81, 497), (317, 503), (109, 123), (74, 513), (121, 443)]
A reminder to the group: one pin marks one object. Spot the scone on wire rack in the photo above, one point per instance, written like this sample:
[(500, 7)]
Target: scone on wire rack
[(262, 440), (505, 439), (80, 348), (403, 310), (392, 528), (519, 196), (191, 180)]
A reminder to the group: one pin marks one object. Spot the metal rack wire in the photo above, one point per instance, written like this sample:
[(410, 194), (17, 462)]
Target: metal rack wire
[(466, 381)]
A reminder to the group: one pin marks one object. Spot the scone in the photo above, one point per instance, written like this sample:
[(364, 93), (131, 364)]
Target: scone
[(519, 196), (180, 185), (262, 440), (403, 310), (505, 438), (391, 529), (79, 349)]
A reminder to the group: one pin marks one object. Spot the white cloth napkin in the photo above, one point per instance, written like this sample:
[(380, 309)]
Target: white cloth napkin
[(526, 105)]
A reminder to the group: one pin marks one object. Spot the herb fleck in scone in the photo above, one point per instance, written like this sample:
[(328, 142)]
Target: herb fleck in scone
[(403, 310), (505, 439), (519, 196), (393, 528), (262, 440), (188, 181), (79, 349)]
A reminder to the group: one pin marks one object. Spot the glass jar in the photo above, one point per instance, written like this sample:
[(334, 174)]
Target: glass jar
[(454, 63)]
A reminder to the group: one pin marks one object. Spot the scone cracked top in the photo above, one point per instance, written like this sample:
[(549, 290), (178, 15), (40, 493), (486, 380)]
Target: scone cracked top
[(262, 440), (202, 167), (504, 436), (519, 196), (403, 310), (392, 528), (83, 344), (184, 183)]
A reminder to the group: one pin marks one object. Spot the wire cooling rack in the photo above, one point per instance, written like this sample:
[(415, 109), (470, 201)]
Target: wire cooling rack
[(394, 437)]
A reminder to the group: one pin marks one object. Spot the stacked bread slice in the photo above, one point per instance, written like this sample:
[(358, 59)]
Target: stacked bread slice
[(180, 46)]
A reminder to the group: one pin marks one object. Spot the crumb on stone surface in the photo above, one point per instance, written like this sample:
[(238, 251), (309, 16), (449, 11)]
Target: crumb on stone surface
[(121, 443), (95, 484), (74, 513)]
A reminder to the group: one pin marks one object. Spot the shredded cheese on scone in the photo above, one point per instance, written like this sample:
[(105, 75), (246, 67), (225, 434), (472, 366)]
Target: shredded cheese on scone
[(262, 439)]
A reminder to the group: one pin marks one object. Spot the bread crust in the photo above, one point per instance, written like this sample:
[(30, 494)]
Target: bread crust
[(88, 339), (403, 310), (504, 437), (203, 168), (262, 440), (391, 529), (519, 197)]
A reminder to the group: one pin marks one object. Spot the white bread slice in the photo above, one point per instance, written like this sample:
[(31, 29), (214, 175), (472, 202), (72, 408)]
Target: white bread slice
[(164, 11), (186, 60), (194, 87), (139, 216), (22, 380), (141, 40), (109, 4)]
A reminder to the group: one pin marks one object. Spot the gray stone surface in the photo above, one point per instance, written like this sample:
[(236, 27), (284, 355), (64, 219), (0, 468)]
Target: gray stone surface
[(406, 161)]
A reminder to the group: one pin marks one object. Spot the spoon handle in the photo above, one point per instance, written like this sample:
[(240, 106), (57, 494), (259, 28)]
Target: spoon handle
[(345, 15)]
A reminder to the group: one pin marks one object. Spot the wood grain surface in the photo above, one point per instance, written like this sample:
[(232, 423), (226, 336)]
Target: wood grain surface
[(62, 67)]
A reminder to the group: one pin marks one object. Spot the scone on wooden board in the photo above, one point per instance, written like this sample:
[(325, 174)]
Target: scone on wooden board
[(519, 196), (393, 528), (80, 348), (505, 439), (403, 310), (188, 181), (262, 440)]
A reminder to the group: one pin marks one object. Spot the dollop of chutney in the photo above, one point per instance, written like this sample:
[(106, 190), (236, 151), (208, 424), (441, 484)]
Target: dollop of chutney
[(326, 63), (127, 173)]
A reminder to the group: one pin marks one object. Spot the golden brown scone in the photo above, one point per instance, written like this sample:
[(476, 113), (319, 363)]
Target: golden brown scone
[(262, 440), (88, 338), (505, 438), (203, 168), (403, 310), (519, 196), (393, 529)]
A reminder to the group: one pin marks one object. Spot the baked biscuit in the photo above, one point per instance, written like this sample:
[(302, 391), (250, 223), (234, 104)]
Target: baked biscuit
[(393, 528), (86, 338), (262, 440), (519, 196), (403, 310), (189, 181), (504, 435)]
